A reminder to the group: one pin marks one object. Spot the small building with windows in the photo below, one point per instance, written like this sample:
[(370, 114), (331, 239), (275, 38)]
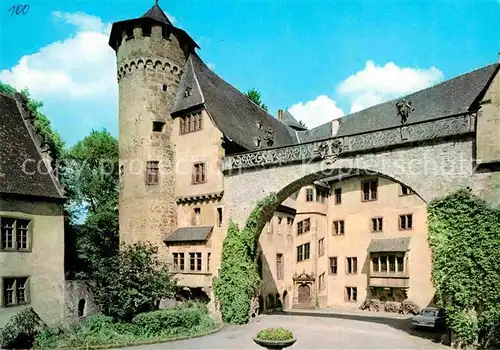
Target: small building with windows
[(31, 220)]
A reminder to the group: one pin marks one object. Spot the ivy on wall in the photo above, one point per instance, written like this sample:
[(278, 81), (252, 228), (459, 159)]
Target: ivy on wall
[(464, 235), (238, 281)]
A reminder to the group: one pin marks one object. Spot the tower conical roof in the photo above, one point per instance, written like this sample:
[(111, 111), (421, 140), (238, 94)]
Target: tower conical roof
[(157, 14)]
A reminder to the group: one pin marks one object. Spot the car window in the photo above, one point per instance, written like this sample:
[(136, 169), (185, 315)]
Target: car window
[(426, 312)]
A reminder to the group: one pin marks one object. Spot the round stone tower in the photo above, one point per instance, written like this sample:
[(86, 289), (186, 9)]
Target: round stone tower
[(150, 54)]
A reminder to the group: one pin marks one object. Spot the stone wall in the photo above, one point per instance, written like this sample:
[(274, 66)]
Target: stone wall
[(79, 301), (149, 71), (43, 264)]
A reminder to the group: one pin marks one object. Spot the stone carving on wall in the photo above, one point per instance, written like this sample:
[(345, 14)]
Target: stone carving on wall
[(329, 150), (404, 109), (304, 277), (333, 148)]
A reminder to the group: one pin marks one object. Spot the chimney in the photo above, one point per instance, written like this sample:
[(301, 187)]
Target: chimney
[(280, 115)]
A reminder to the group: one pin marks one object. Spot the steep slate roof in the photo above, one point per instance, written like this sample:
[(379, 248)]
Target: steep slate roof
[(232, 111), (397, 244), (157, 14), (289, 120), (17, 146), (454, 96), (189, 234)]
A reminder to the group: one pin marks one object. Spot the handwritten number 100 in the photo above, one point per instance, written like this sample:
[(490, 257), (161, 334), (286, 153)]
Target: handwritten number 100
[(19, 10)]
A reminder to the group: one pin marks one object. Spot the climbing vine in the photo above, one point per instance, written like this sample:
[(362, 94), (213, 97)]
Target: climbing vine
[(238, 282), (464, 235)]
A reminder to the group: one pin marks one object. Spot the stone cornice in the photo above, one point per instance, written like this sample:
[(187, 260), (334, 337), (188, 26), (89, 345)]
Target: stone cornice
[(200, 197), (330, 149)]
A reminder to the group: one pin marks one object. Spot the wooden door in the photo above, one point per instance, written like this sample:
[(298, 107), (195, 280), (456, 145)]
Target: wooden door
[(304, 294)]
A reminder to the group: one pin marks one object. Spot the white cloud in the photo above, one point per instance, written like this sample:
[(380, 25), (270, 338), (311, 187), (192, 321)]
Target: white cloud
[(370, 86), (316, 112), (81, 66), (375, 84)]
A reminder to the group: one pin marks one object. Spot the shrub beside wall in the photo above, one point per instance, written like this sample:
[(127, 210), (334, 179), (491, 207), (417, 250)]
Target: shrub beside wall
[(238, 282), (464, 235)]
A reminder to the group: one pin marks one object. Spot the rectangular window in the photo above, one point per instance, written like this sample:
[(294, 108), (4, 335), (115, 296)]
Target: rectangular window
[(406, 222), (15, 291), (219, 217), (280, 223), (191, 123), (289, 222), (300, 228), (14, 234), (178, 261), (192, 261), (280, 270), (152, 172), (195, 261), (309, 194), (199, 174), (400, 261), (300, 253), (352, 265), (369, 189), (158, 126), (321, 282), (375, 264), (307, 225), (377, 224), (351, 294), (196, 221), (321, 196), (333, 265), (307, 251), (338, 228), (209, 255), (303, 252), (321, 247), (405, 191), (198, 261), (338, 196), (392, 263)]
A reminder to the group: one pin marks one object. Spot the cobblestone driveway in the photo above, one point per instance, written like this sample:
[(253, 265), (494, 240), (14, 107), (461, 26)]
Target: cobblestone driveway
[(315, 333)]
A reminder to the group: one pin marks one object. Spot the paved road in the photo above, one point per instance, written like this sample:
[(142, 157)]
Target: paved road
[(349, 332)]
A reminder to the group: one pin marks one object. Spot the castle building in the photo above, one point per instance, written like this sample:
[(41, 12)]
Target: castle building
[(332, 244), (31, 220)]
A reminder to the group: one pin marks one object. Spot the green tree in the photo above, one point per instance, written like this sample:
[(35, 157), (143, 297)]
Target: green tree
[(255, 96), (131, 282), (91, 179)]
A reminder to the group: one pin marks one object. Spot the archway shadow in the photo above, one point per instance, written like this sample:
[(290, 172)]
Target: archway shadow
[(402, 324)]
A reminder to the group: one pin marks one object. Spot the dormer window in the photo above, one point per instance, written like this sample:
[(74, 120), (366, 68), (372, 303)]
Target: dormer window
[(188, 92)]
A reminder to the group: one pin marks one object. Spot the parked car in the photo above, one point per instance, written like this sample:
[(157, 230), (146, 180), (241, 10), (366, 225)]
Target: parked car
[(430, 317)]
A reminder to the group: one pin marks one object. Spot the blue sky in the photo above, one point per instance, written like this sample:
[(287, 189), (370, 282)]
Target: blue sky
[(320, 59)]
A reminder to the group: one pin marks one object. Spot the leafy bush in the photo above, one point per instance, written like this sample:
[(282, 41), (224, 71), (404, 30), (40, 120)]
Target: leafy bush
[(408, 307), (275, 334), (173, 319), (20, 330), (391, 306), (130, 283), (239, 280), (464, 235), (152, 326), (371, 304)]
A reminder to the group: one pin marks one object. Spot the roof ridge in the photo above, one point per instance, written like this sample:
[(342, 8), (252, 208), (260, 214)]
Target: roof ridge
[(31, 131)]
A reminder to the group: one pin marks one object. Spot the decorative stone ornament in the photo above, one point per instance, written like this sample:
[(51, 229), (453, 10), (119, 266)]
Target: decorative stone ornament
[(329, 150), (404, 109)]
